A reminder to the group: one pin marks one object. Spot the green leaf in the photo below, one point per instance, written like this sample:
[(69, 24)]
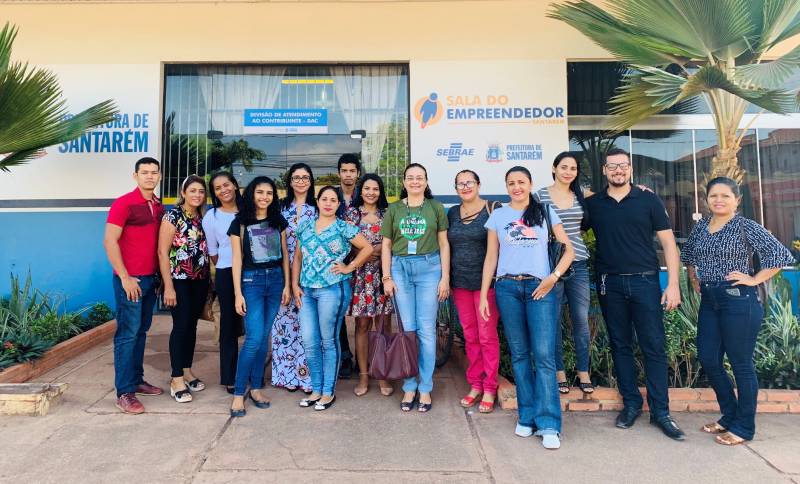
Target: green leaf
[(781, 20), (772, 74)]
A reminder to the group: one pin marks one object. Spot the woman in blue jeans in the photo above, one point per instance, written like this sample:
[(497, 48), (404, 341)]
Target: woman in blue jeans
[(321, 285), (517, 258), (719, 257), (566, 196), (415, 259), (260, 284)]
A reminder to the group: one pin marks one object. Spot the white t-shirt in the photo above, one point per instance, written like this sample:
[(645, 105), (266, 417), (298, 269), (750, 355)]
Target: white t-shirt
[(216, 224)]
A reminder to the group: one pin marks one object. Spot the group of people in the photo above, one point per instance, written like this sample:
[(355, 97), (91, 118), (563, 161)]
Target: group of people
[(289, 271)]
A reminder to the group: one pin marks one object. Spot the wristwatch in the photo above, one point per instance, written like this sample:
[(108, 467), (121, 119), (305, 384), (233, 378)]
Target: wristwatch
[(386, 277), (557, 274)]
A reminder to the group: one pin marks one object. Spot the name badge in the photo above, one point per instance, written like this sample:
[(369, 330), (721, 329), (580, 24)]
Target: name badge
[(412, 247)]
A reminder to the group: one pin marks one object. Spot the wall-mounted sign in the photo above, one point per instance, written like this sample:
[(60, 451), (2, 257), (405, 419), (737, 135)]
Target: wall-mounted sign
[(487, 116), (279, 121)]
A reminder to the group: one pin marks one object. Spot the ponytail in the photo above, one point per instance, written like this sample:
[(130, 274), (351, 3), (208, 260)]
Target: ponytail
[(534, 212)]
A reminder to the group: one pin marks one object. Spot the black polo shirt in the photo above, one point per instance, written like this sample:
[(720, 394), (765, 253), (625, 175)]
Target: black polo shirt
[(624, 231)]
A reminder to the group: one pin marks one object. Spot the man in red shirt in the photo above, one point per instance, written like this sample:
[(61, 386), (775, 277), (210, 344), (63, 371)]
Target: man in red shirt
[(131, 238)]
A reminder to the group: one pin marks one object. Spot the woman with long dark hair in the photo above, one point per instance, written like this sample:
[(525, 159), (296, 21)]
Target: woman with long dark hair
[(369, 304), (183, 261), (289, 368), (226, 201), (260, 284), (467, 236), (566, 196), (719, 255), (517, 258), (416, 269), (321, 286)]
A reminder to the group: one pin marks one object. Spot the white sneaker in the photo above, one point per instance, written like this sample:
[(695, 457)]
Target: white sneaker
[(551, 441), (523, 430)]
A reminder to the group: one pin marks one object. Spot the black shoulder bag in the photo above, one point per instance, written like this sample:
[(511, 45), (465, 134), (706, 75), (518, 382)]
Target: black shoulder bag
[(555, 248)]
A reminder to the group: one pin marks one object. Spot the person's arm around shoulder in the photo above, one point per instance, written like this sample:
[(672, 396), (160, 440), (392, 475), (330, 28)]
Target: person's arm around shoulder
[(166, 234), (671, 298), (444, 252)]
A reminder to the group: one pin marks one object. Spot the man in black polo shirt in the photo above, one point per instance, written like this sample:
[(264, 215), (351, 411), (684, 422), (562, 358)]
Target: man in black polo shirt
[(349, 167), (624, 219)]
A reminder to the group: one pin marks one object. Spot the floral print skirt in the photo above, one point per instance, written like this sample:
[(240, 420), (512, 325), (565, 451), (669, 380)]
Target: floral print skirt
[(368, 297)]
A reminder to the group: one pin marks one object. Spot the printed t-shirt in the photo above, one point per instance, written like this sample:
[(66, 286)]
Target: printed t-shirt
[(261, 245), (188, 253), (418, 225), (321, 251), (523, 249), (140, 219)]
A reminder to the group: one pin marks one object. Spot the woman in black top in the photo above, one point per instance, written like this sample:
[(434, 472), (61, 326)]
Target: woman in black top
[(719, 255), (467, 237)]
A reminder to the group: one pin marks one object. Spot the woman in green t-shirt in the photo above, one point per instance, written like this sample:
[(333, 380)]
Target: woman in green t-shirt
[(416, 271)]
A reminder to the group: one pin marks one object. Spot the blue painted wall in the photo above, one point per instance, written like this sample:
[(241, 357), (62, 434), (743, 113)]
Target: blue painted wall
[(63, 250)]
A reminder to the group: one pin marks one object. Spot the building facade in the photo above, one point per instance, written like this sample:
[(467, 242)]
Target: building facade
[(257, 86)]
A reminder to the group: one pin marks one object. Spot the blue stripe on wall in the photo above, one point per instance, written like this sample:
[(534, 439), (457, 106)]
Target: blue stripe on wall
[(64, 252)]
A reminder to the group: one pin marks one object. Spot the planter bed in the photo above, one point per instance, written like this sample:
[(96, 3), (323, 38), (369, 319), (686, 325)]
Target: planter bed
[(680, 399), (58, 354)]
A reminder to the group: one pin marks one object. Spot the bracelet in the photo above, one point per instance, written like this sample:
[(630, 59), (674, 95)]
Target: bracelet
[(386, 277), (557, 274)]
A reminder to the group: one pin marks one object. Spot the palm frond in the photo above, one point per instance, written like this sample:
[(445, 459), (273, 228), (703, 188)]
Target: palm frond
[(780, 20), (625, 43), (7, 36), (771, 74), (17, 158)]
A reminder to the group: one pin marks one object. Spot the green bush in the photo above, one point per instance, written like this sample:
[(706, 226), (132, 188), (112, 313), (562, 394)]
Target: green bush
[(31, 321)]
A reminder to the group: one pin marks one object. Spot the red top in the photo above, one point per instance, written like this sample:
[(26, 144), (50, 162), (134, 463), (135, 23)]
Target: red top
[(140, 220)]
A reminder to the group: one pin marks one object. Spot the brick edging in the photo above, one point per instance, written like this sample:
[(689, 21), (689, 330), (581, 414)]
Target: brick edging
[(680, 399), (58, 354)]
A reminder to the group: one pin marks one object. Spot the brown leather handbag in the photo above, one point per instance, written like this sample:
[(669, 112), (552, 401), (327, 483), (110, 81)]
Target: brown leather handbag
[(393, 356)]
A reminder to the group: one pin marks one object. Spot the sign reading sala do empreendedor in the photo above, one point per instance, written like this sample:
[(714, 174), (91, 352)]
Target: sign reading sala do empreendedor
[(487, 116)]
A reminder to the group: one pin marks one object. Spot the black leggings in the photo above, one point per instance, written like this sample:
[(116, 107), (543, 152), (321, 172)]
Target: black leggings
[(191, 298), (229, 324)]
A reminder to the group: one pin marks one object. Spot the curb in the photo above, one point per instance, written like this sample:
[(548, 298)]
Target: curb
[(58, 354)]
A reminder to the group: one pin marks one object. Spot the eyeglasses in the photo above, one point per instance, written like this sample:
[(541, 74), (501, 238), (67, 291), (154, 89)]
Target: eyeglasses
[(466, 184), (415, 178), (617, 166), (301, 178)]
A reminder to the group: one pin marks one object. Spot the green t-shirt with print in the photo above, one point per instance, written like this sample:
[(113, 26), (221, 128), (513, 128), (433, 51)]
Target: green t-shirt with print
[(419, 225)]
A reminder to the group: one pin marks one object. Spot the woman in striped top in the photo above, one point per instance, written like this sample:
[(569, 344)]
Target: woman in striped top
[(567, 198)]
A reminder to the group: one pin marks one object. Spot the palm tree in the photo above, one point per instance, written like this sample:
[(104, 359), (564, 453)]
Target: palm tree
[(33, 113), (680, 50)]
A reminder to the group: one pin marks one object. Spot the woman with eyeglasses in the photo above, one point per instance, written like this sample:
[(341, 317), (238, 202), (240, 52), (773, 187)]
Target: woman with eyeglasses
[(566, 196), (517, 259), (289, 367), (226, 201), (183, 261), (416, 269), (467, 237), (370, 306)]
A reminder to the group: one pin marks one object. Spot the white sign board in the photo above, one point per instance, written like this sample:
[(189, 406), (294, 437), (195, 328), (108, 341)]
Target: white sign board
[(487, 116), (99, 164)]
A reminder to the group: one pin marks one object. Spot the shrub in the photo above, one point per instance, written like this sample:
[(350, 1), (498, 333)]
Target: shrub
[(98, 314)]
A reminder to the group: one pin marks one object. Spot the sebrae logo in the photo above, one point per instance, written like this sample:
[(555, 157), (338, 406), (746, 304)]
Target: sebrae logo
[(428, 110), (455, 152)]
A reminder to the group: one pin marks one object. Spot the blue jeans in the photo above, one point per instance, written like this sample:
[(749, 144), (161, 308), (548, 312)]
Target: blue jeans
[(630, 302), (417, 279), (530, 329), (321, 317), (729, 320), (576, 290), (262, 290), (133, 322)]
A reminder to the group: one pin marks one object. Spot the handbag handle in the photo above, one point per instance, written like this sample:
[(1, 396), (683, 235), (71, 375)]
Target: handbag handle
[(399, 319)]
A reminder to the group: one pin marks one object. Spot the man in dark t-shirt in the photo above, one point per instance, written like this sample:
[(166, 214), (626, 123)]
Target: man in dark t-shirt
[(349, 167), (624, 219), (131, 238)]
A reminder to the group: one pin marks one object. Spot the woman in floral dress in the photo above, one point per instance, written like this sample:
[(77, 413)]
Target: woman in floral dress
[(289, 368), (369, 303)]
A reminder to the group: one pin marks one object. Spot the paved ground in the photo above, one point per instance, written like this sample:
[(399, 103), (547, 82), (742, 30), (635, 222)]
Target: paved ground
[(359, 440)]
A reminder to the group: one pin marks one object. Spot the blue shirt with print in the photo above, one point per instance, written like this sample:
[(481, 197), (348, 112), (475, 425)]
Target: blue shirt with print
[(523, 249), (321, 251)]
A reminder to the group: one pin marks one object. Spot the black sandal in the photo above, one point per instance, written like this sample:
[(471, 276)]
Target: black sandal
[(563, 387), (586, 387), (406, 406)]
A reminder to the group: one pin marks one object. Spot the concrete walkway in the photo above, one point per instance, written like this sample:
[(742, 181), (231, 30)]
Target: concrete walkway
[(366, 439)]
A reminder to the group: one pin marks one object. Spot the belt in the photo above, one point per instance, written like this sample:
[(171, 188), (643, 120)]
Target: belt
[(645, 273), (518, 277)]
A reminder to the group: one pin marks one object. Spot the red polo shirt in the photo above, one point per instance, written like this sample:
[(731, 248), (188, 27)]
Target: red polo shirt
[(140, 220)]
